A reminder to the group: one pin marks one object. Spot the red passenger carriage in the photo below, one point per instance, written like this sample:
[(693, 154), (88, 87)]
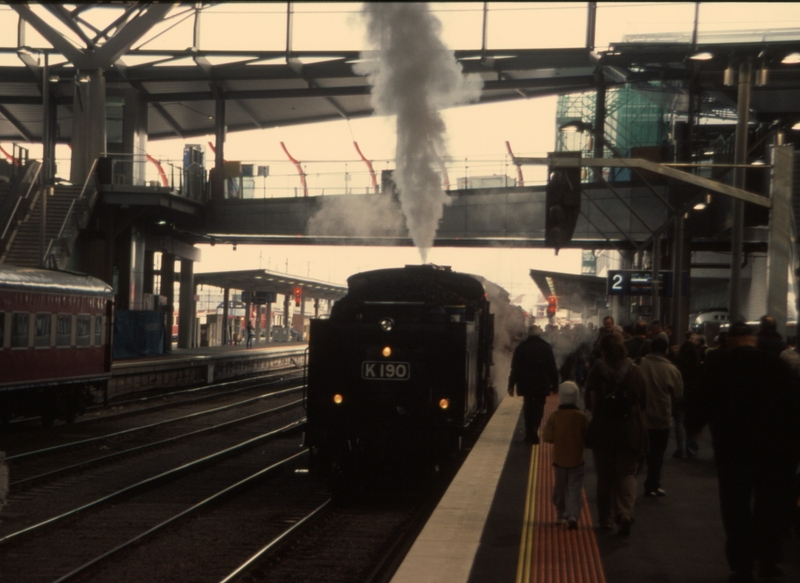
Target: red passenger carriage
[(55, 342)]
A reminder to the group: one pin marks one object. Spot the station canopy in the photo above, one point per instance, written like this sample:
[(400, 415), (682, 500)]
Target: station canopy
[(574, 292), (276, 64), (271, 281)]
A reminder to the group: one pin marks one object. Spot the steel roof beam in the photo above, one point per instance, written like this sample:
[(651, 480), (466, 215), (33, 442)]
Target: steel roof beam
[(66, 17), (659, 169), (16, 123), (103, 56)]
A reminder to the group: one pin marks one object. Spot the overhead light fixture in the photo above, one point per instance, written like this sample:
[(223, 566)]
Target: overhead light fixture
[(708, 153), (758, 162), (729, 76), (796, 126), (54, 79), (705, 56), (762, 75), (791, 59), (700, 205), (83, 78)]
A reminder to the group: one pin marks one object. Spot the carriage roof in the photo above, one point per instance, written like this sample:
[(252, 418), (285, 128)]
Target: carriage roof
[(14, 278)]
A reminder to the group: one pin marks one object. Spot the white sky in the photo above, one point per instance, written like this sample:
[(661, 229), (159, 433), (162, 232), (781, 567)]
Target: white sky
[(476, 132)]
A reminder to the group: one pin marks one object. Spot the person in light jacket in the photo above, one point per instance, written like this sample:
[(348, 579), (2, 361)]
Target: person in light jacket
[(664, 388), (566, 430)]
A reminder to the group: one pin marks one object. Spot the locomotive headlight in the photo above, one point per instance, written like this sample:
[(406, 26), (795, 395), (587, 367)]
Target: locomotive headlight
[(387, 352), (444, 403), (387, 324), (337, 398)]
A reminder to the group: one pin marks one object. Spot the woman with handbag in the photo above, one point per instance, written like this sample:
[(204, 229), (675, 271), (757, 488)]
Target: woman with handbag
[(616, 396)]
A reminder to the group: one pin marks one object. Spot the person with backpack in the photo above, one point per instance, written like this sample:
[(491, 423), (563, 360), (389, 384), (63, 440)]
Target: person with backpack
[(616, 396)]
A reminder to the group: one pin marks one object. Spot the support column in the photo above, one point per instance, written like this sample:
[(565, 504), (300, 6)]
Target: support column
[(599, 121), (187, 311), (268, 328), (148, 278), (217, 176), (247, 318), (168, 291), (739, 158), (257, 325), (226, 301), (780, 230), (88, 124), (679, 321), (287, 324), (656, 268), (316, 308), (302, 331)]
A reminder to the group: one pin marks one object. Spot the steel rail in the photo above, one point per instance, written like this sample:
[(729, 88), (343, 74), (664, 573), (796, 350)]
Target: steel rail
[(150, 425), (273, 543), (154, 480), (226, 491), (249, 381), (146, 446)]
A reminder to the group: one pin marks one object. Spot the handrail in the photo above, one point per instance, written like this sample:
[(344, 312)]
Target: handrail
[(66, 238), (18, 202)]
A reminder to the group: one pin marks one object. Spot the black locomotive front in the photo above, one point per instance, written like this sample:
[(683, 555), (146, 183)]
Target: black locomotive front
[(400, 369)]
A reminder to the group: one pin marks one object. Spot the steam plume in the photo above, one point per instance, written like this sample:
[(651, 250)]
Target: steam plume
[(414, 76)]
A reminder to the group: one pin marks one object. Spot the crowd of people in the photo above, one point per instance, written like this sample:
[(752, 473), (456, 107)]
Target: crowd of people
[(623, 391)]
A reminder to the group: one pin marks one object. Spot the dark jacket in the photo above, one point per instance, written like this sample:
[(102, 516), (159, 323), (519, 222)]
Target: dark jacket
[(631, 435), (751, 403), (533, 368)]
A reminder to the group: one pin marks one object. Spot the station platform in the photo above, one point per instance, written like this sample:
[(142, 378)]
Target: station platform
[(185, 367), (497, 524)]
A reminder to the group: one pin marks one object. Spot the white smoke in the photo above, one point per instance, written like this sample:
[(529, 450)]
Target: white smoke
[(413, 77), (358, 216), (510, 328)]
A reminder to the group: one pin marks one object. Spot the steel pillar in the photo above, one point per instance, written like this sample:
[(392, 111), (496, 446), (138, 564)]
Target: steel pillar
[(186, 314), (168, 291), (780, 234), (88, 124), (226, 300), (739, 158)]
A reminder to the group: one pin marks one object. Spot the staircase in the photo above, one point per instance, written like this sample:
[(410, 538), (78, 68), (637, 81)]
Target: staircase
[(24, 247)]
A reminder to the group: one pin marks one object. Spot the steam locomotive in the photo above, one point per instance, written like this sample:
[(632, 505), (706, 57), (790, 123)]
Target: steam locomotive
[(55, 342), (399, 371)]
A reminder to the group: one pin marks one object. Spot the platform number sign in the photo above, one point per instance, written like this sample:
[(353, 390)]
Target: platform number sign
[(634, 283)]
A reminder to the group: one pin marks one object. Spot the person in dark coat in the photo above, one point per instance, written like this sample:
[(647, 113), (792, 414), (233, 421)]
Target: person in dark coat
[(751, 404), (617, 447), (768, 337), (535, 375)]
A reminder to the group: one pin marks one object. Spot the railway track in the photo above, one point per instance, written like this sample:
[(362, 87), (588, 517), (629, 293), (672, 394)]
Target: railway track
[(225, 497), (37, 466), (148, 402)]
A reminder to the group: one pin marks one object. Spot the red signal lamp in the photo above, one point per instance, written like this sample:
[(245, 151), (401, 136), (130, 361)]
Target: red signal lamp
[(552, 305)]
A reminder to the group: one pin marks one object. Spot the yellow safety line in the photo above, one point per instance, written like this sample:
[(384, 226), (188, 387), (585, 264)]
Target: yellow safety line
[(526, 541)]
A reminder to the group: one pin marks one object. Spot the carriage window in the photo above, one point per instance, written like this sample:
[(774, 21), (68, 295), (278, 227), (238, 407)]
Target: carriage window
[(19, 330), (98, 330), (64, 330), (43, 324), (82, 330)]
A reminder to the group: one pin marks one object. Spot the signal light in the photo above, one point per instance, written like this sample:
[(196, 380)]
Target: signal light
[(552, 306), (298, 295), (562, 201), (444, 403), (337, 398), (387, 351)]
